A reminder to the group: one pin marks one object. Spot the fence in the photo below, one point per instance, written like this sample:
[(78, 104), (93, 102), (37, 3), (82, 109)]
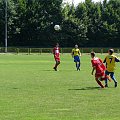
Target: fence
[(49, 50)]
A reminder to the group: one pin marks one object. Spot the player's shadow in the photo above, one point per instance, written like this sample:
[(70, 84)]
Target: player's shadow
[(86, 88), (47, 70), (58, 70)]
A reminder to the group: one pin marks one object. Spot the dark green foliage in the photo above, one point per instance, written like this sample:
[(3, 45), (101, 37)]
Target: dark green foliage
[(31, 23)]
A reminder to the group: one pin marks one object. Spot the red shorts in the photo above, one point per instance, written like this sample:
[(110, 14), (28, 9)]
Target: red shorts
[(98, 75), (57, 59)]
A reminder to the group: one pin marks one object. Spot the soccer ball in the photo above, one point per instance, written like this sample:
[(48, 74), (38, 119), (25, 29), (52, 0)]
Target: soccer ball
[(57, 27)]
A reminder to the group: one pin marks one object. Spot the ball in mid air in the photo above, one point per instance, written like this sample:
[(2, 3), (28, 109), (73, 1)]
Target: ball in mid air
[(57, 27)]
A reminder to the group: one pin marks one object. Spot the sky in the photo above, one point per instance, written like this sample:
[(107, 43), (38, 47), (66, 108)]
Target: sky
[(78, 1)]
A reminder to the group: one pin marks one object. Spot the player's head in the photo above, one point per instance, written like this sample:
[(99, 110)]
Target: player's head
[(110, 51), (76, 46), (92, 54), (57, 44)]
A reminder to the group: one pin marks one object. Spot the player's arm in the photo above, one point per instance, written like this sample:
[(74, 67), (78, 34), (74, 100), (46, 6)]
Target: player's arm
[(100, 60), (93, 70), (117, 60), (104, 60)]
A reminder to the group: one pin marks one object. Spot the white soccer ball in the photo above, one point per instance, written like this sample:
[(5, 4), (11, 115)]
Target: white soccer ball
[(57, 27)]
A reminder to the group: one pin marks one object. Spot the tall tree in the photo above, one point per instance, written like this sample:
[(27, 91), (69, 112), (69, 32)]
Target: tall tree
[(31, 23), (2, 22)]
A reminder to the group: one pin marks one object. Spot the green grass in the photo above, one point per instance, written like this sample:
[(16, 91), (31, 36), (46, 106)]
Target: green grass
[(31, 90)]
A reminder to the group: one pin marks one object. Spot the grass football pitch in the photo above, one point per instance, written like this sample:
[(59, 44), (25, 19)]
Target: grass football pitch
[(31, 90)]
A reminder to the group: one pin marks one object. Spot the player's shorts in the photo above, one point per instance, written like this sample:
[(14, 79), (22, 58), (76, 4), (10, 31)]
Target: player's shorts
[(76, 59), (100, 75), (109, 73), (57, 59)]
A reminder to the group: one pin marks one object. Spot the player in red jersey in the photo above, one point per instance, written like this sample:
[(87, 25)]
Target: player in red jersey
[(56, 53), (98, 65)]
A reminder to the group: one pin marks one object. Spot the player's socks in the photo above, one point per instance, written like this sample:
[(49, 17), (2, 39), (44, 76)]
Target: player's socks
[(100, 83), (113, 78), (115, 84), (78, 67), (106, 82), (106, 85), (55, 68), (56, 65)]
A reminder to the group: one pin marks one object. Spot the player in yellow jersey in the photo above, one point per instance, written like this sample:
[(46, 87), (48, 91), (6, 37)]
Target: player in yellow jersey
[(76, 55), (110, 61)]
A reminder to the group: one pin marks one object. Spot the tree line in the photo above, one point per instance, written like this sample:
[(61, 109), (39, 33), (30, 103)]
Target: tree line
[(31, 23)]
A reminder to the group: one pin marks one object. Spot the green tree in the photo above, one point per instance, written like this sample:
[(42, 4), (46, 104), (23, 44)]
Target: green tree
[(31, 23), (74, 31), (2, 22), (111, 20)]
